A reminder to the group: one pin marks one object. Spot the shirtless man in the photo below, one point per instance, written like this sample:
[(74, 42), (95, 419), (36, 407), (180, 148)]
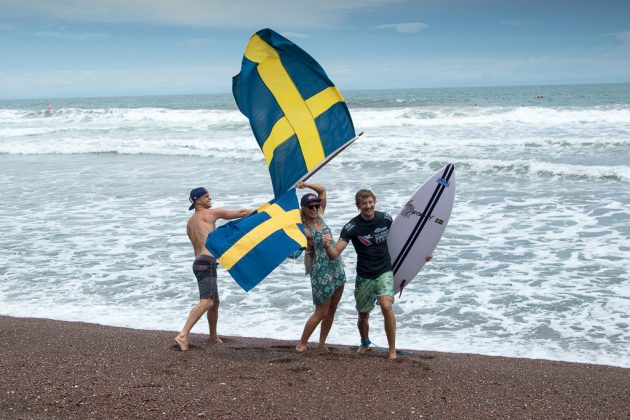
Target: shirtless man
[(200, 225)]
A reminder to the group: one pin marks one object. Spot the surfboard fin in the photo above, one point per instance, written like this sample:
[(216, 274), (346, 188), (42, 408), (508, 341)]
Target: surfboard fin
[(402, 286)]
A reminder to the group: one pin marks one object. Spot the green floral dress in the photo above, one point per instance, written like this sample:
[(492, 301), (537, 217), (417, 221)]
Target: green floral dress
[(326, 275)]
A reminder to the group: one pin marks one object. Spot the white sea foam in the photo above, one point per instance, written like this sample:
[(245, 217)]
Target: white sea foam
[(533, 262), (129, 124), (474, 126), (520, 167), (467, 116)]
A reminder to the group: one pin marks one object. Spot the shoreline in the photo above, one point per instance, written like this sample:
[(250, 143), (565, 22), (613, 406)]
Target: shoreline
[(76, 370)]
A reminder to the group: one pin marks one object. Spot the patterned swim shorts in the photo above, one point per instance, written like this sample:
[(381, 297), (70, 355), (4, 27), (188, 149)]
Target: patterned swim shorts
[(367, 291)]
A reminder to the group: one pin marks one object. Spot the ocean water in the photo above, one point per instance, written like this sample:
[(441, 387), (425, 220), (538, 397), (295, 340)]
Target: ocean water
[(535, 261)]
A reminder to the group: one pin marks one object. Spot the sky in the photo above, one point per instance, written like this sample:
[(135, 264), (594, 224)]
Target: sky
[(75, 48)]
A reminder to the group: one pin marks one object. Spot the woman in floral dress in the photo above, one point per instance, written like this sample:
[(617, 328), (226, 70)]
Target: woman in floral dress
[(327, 276)]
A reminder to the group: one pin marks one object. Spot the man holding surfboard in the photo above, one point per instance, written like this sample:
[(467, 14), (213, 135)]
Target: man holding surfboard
[(375, 280)]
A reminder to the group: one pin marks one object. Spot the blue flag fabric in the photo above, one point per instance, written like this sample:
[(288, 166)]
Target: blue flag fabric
[(252, 247), (297, 114)]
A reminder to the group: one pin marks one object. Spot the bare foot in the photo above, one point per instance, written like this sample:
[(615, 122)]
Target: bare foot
[(391, 355), (363, 349), (182, 342), (215, 340), (300, 348), (323, 349)]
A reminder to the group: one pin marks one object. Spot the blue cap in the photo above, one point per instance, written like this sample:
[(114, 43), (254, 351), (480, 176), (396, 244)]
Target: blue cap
[(196, 194), (309, 198)]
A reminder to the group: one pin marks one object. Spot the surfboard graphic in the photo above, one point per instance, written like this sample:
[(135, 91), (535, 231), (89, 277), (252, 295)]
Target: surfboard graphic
[(419, 225)]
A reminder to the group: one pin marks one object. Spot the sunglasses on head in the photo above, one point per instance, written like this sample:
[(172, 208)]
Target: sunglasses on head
[(313, 206)]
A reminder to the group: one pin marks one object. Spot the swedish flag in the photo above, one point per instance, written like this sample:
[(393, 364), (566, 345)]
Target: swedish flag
[(251, 247), (297, 114)]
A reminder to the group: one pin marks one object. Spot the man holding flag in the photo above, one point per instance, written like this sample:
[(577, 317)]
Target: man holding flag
[(199, 226)]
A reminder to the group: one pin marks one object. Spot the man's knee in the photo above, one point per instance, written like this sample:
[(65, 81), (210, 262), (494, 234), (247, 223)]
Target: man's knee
[(386, 304), (206, 304)]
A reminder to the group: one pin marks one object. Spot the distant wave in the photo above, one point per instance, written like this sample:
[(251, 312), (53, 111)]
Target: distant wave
[(16, 122), (228, 147), (617, 173), (368, 117), (163, 131), (432, 116)]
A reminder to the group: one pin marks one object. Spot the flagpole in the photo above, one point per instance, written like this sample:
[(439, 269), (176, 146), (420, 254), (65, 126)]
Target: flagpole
[(329, 158)]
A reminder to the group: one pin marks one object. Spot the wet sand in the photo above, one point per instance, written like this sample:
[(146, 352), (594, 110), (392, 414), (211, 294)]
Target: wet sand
[(76, 370)]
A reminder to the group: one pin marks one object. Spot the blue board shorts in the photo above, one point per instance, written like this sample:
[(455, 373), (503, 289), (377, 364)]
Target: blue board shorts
[(367, 291), (205, 269)]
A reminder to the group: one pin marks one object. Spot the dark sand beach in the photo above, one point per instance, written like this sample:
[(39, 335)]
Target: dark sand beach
[(54, 369)]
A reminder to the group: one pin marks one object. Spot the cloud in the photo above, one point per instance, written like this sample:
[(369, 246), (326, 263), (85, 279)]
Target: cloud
[(359, 74), (6, 27), (199, 41), (516, 23), (623, 47), (291, 35), (244, 14), (406, 28), (480, 72), (624, 37), (72, 36), (120, 82)]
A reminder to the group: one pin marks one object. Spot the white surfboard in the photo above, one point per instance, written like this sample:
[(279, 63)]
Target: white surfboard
[(418, 227)]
